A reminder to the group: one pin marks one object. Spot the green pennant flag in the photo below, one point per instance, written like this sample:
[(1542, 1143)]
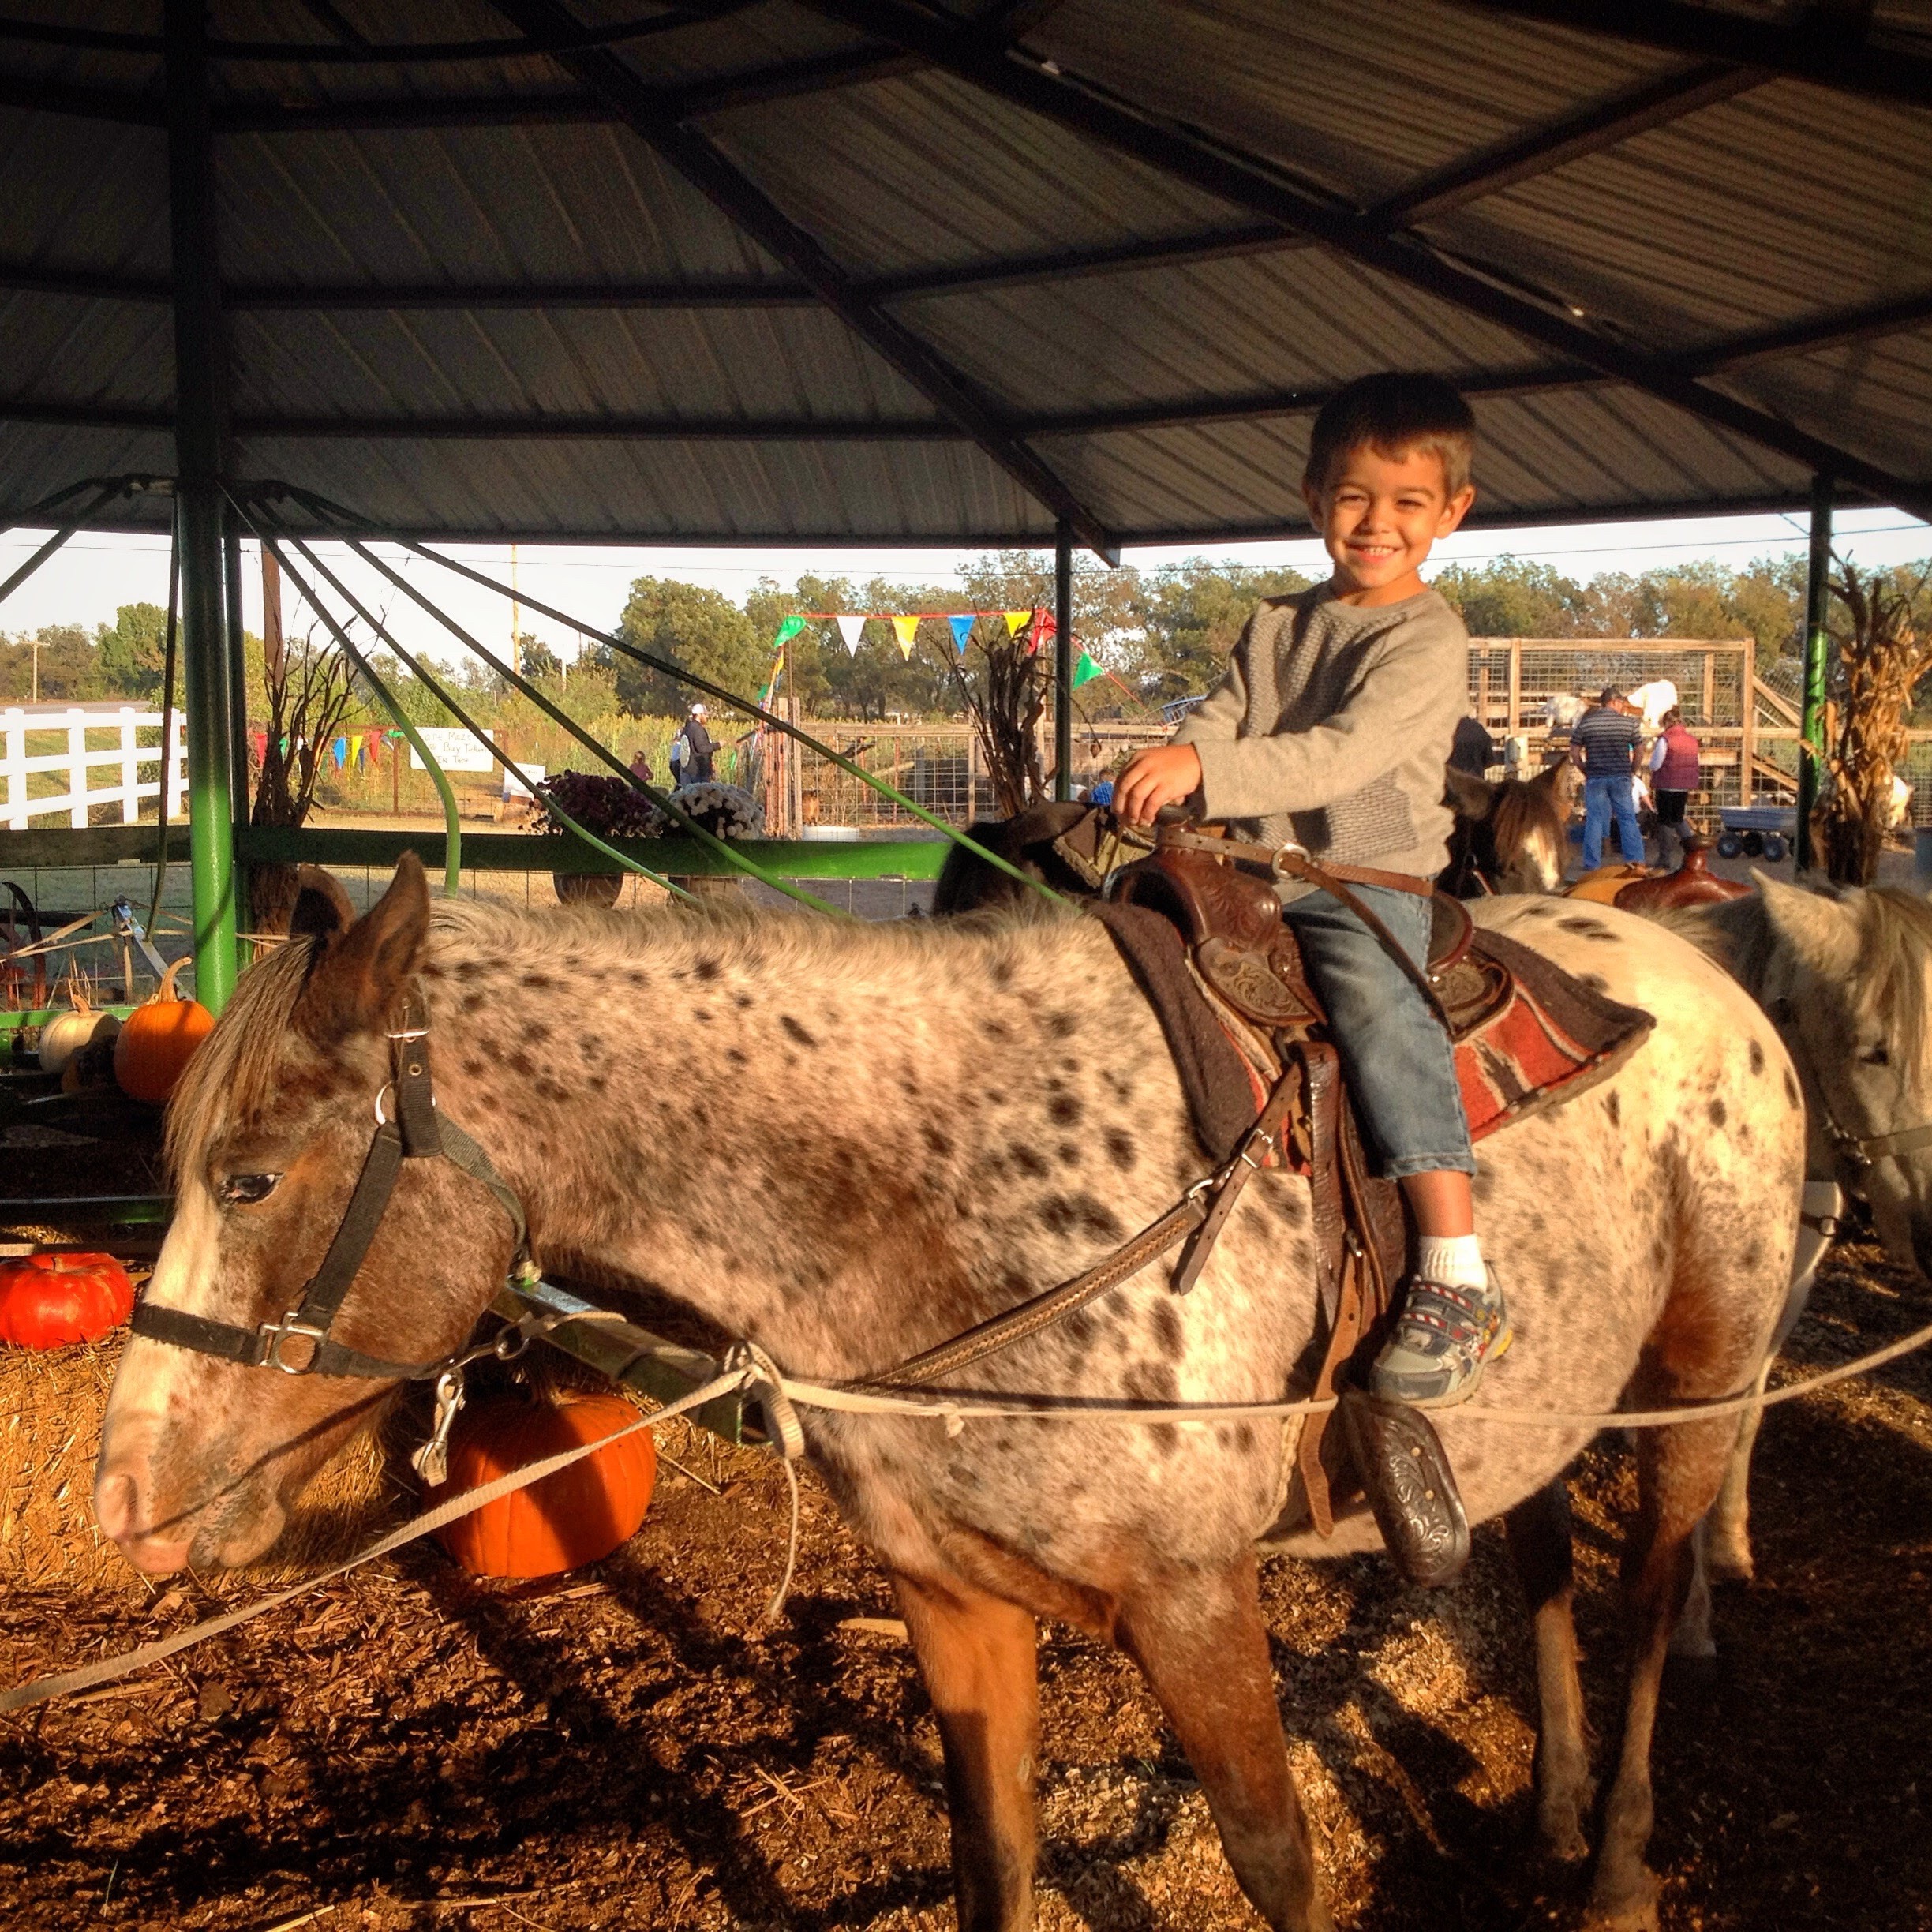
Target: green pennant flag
[(788, 628), (1086, 671)]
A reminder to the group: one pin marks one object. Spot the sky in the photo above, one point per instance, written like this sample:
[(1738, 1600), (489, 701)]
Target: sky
[(86, 582)]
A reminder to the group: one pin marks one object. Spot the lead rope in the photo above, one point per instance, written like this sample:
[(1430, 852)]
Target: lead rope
[(766, 1384)]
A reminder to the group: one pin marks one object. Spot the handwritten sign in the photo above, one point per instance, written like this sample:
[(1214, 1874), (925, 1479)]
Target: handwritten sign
[(454, 749)]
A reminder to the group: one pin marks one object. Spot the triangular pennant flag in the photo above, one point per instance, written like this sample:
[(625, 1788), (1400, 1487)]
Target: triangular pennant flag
[(1086, 671), (789, 627), (851, 628), (905, 629), (962, 629), (1015, 619), (1045, 624)]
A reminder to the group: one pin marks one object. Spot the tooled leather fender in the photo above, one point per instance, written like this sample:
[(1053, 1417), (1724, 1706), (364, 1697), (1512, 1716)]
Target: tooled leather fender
[(1232, 919)]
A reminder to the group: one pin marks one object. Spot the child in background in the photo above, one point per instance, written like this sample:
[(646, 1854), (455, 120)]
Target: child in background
[(1331, 732)]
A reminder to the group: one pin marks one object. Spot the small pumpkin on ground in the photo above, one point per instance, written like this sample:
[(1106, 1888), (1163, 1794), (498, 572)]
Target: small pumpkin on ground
[(157, 1039), (65, 1034), (48, 1301), (567, 1520)]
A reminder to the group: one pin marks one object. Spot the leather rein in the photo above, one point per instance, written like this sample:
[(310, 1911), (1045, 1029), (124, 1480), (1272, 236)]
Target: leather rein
[(301, 1343)]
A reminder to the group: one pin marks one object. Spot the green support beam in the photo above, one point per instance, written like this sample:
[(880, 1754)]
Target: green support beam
[(1818, 643), (519, 851), (199, 432)]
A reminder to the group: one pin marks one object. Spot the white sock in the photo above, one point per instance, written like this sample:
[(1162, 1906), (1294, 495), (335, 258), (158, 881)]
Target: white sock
[(1453, 1260)]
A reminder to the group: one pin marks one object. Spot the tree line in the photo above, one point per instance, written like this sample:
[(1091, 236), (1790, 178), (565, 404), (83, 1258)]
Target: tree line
[(1164, 633)]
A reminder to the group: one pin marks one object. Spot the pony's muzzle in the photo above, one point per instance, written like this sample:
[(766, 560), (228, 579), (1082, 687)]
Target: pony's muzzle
[(117, 1508)]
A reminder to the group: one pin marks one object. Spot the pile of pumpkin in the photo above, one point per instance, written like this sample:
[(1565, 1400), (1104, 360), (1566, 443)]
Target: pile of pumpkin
[(147, 1052)]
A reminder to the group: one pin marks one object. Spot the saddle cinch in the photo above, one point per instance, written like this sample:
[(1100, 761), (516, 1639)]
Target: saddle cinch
[(1199, 923)]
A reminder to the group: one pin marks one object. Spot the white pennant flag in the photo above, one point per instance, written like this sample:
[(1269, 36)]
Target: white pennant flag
[(849, 628)]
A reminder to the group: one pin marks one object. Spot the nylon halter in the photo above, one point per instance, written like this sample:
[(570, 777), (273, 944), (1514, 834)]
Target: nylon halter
[(300, 1343)]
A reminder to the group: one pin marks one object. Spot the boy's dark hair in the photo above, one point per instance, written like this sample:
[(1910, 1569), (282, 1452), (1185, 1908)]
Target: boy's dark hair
[(1394, 415)]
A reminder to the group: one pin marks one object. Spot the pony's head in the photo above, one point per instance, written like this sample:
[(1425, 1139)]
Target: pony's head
[(1512, 836), (201, 1458), (1848, 978)]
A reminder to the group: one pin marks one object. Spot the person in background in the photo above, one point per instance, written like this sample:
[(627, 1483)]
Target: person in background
[(641, 765), (1474, 749), (1605, 744), (700, 750), (1674, 775)]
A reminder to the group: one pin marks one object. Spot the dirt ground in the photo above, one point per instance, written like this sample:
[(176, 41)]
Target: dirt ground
[(631, 1746)]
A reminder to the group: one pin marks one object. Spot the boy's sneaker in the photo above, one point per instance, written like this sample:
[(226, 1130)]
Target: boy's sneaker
[(1443, 1340)]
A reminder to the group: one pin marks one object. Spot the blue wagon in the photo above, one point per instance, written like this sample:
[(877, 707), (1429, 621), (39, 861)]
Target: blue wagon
[(1756, 831)]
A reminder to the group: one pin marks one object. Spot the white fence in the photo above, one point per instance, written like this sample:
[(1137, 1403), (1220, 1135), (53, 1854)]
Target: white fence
[(40, 740)]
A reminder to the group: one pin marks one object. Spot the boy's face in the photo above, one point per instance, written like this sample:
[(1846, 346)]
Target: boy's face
[(1379, 516)]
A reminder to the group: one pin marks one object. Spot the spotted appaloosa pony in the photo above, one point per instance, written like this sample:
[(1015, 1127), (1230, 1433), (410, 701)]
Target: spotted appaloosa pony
[(1845, 975), (930, 1120), (1511, 837)]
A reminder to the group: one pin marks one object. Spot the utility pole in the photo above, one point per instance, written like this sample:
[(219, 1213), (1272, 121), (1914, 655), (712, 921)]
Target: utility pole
[(516, 616), (1063, 662)]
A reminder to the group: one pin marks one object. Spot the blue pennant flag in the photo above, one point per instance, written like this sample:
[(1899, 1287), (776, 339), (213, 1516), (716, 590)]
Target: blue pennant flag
[(962, 629)]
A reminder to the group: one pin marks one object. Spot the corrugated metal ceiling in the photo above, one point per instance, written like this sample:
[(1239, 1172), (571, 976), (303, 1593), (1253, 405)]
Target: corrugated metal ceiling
[(468, 295)]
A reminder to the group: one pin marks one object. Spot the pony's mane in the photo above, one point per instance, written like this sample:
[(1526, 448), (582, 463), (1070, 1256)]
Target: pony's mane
[(240, 1056), (1522, 805), (1895, 948), (239, 1059)]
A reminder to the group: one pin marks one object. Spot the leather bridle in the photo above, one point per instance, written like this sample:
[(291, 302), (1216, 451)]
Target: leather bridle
[(301, 1343)]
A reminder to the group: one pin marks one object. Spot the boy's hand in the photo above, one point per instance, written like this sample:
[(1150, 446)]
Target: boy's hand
[(1161, 775)]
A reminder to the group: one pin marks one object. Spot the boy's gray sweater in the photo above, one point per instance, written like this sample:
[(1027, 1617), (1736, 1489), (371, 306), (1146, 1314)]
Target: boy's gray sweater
[(1332, 727)]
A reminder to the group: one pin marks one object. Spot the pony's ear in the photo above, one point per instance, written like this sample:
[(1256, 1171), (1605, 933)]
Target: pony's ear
[(1823, 933), (1560, 781), (323, 909), (1467, 795), (353, 987)]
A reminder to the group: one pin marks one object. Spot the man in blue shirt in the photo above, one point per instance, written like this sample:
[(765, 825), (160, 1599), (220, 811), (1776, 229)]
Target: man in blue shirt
[(1605, 744)]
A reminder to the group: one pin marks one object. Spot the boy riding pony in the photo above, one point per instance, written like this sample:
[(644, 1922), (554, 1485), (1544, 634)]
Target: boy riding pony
[(1329, 733)]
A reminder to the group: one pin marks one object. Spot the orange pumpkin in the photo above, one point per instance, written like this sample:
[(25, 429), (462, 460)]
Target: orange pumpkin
[(157, 1040), (569, 1519), (48, 1301)]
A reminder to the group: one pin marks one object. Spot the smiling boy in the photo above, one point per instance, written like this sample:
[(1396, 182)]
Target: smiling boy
[(1330, 731)]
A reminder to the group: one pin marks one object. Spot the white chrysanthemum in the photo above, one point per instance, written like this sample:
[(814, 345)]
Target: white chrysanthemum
[(724, 810)]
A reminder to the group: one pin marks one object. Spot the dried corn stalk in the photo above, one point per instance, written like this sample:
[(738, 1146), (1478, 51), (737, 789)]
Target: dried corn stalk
[(1879, 658)]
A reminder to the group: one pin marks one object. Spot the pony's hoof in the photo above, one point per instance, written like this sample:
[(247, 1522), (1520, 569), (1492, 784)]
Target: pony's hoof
[(1730, 1566), (1626, 1904), (1559, 1836)]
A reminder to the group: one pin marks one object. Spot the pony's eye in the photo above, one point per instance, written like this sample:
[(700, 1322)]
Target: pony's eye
[(1875, 1056), (241, 1190)]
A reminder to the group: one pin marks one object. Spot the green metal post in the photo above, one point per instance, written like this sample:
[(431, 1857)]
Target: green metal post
[(237, 703), (1063, 662), (200, 432), (1817, 642)]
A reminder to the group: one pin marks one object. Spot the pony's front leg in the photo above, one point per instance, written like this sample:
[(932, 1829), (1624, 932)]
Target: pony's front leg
[(1540, 1543), (978, 1654), (1198, 1636), (1679, 1472)]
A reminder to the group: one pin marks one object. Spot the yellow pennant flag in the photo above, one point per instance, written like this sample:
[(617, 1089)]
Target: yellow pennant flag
[(905, 629), (1017, 621)]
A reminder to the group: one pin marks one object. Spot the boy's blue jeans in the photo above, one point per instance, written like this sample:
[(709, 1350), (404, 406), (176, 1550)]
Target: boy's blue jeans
[(1398, 1060), (1603, 799)]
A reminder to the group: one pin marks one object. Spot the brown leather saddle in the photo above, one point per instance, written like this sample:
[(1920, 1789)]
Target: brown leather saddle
[(1245, 959)]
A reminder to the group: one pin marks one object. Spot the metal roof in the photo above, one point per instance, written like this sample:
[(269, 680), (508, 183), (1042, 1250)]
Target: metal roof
[(758, 271)]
